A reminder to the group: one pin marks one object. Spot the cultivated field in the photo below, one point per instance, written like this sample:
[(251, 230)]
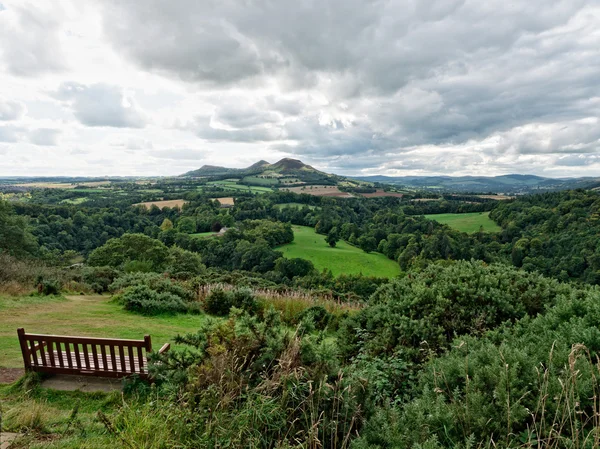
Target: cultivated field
[(469, 222), (226, 201), (88, 316), (161, 204), (320, 191), (60, 185), (380, 193), (343, 259)]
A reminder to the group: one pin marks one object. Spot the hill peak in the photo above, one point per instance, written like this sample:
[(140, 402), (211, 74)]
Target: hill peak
[(290, 164)]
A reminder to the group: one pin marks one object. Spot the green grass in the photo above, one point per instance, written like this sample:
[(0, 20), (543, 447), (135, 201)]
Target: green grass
[(92, 316), (203, 234), (469, 222), (343, 259), (75, 200), (255, 180), (295, 205), (235, 186)]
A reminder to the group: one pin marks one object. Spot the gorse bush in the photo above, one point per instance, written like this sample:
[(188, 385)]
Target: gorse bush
[(534, 384), (143, 299), (219, 301), (156, 282), (253, 382)]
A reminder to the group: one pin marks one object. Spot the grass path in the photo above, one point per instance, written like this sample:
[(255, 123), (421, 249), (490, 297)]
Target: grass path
[(90, 316), (343, 259), (469, 222)]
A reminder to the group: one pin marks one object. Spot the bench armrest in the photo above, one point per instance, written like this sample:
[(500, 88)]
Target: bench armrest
[(164, 348)]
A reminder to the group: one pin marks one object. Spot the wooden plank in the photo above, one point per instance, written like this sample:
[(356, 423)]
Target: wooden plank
[(89, 340), (77, 355), (113, 359), (122, 356), (86, 356), (95, 356), (42, 354), (51, 354), (131, 359), (140, 359), (32, 359), (104, 361), (69, 358), (59, 355), (24, 350)]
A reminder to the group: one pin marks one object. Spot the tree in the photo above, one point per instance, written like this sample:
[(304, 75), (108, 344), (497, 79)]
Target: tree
[(186, 225), (166, 225), (15, 239), (117, 252), (332, 237)]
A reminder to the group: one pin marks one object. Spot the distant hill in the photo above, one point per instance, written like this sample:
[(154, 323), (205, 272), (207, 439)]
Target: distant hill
[(498, 184), (290, 168)]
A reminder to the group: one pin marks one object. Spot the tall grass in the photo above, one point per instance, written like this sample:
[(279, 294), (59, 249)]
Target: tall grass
[(289, 302)]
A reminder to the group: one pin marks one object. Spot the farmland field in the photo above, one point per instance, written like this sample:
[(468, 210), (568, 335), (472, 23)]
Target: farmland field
[(225, 201), (161, 204), (343, 259), (469, 222), (320, 191), (89, 316)]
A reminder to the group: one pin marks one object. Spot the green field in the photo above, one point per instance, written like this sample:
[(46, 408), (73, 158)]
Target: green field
[(75, 200), (203, 234), (255, 180), (235, 186), (469, 222), (343, 259), (295, 205), (91, 316)]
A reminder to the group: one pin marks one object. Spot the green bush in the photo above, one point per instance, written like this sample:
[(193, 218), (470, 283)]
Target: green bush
[(156, 282), (100, 278), (218, 302), (48, 286), (534, 383), (143, 299)]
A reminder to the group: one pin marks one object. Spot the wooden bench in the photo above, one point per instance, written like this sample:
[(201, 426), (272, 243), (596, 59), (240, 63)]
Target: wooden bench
[(101, 357)]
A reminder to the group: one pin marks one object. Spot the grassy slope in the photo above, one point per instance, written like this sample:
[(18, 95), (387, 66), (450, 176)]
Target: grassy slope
[(469, 222), (93, 316), (343, 259)]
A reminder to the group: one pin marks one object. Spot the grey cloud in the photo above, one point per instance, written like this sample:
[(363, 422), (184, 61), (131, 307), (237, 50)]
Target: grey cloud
[(11, 110), (201, 126), (101, 105), (179, 154), (44, 136), (30, 40), (36, 136)]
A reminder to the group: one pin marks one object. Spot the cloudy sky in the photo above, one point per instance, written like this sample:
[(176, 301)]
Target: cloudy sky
[(396, 87)]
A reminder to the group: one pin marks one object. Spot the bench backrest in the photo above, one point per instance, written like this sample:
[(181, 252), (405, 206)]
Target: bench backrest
[(104, 356)]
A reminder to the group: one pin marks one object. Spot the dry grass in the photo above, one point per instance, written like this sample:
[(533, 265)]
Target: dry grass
[(162, 203)]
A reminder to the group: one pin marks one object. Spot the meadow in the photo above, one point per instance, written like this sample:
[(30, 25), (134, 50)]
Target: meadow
[(343, 259), (469, 222), (88, 316), (235, 186)]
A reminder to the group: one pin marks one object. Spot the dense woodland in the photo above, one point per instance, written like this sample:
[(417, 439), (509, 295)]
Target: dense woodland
[(485, 339)]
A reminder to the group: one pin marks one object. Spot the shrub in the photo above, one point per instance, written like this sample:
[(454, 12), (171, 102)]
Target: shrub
[(243, 298), (99, 278), (318, 315), (48, 286), (133, 266), (143, 299), (218, 302), (156, 282)]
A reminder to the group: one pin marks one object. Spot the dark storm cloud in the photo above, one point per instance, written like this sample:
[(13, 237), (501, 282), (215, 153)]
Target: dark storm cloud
[(394, 74), (101, 105)]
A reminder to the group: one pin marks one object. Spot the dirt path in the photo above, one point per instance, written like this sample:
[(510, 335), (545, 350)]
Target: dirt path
[(10, 375)]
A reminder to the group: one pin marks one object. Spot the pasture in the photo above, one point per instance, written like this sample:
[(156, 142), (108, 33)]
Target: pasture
[(294, 205), (469, 222), (234, 186), (88, 316), (343, 259)]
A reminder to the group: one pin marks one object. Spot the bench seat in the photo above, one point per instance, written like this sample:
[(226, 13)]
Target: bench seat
[(101, 357)]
